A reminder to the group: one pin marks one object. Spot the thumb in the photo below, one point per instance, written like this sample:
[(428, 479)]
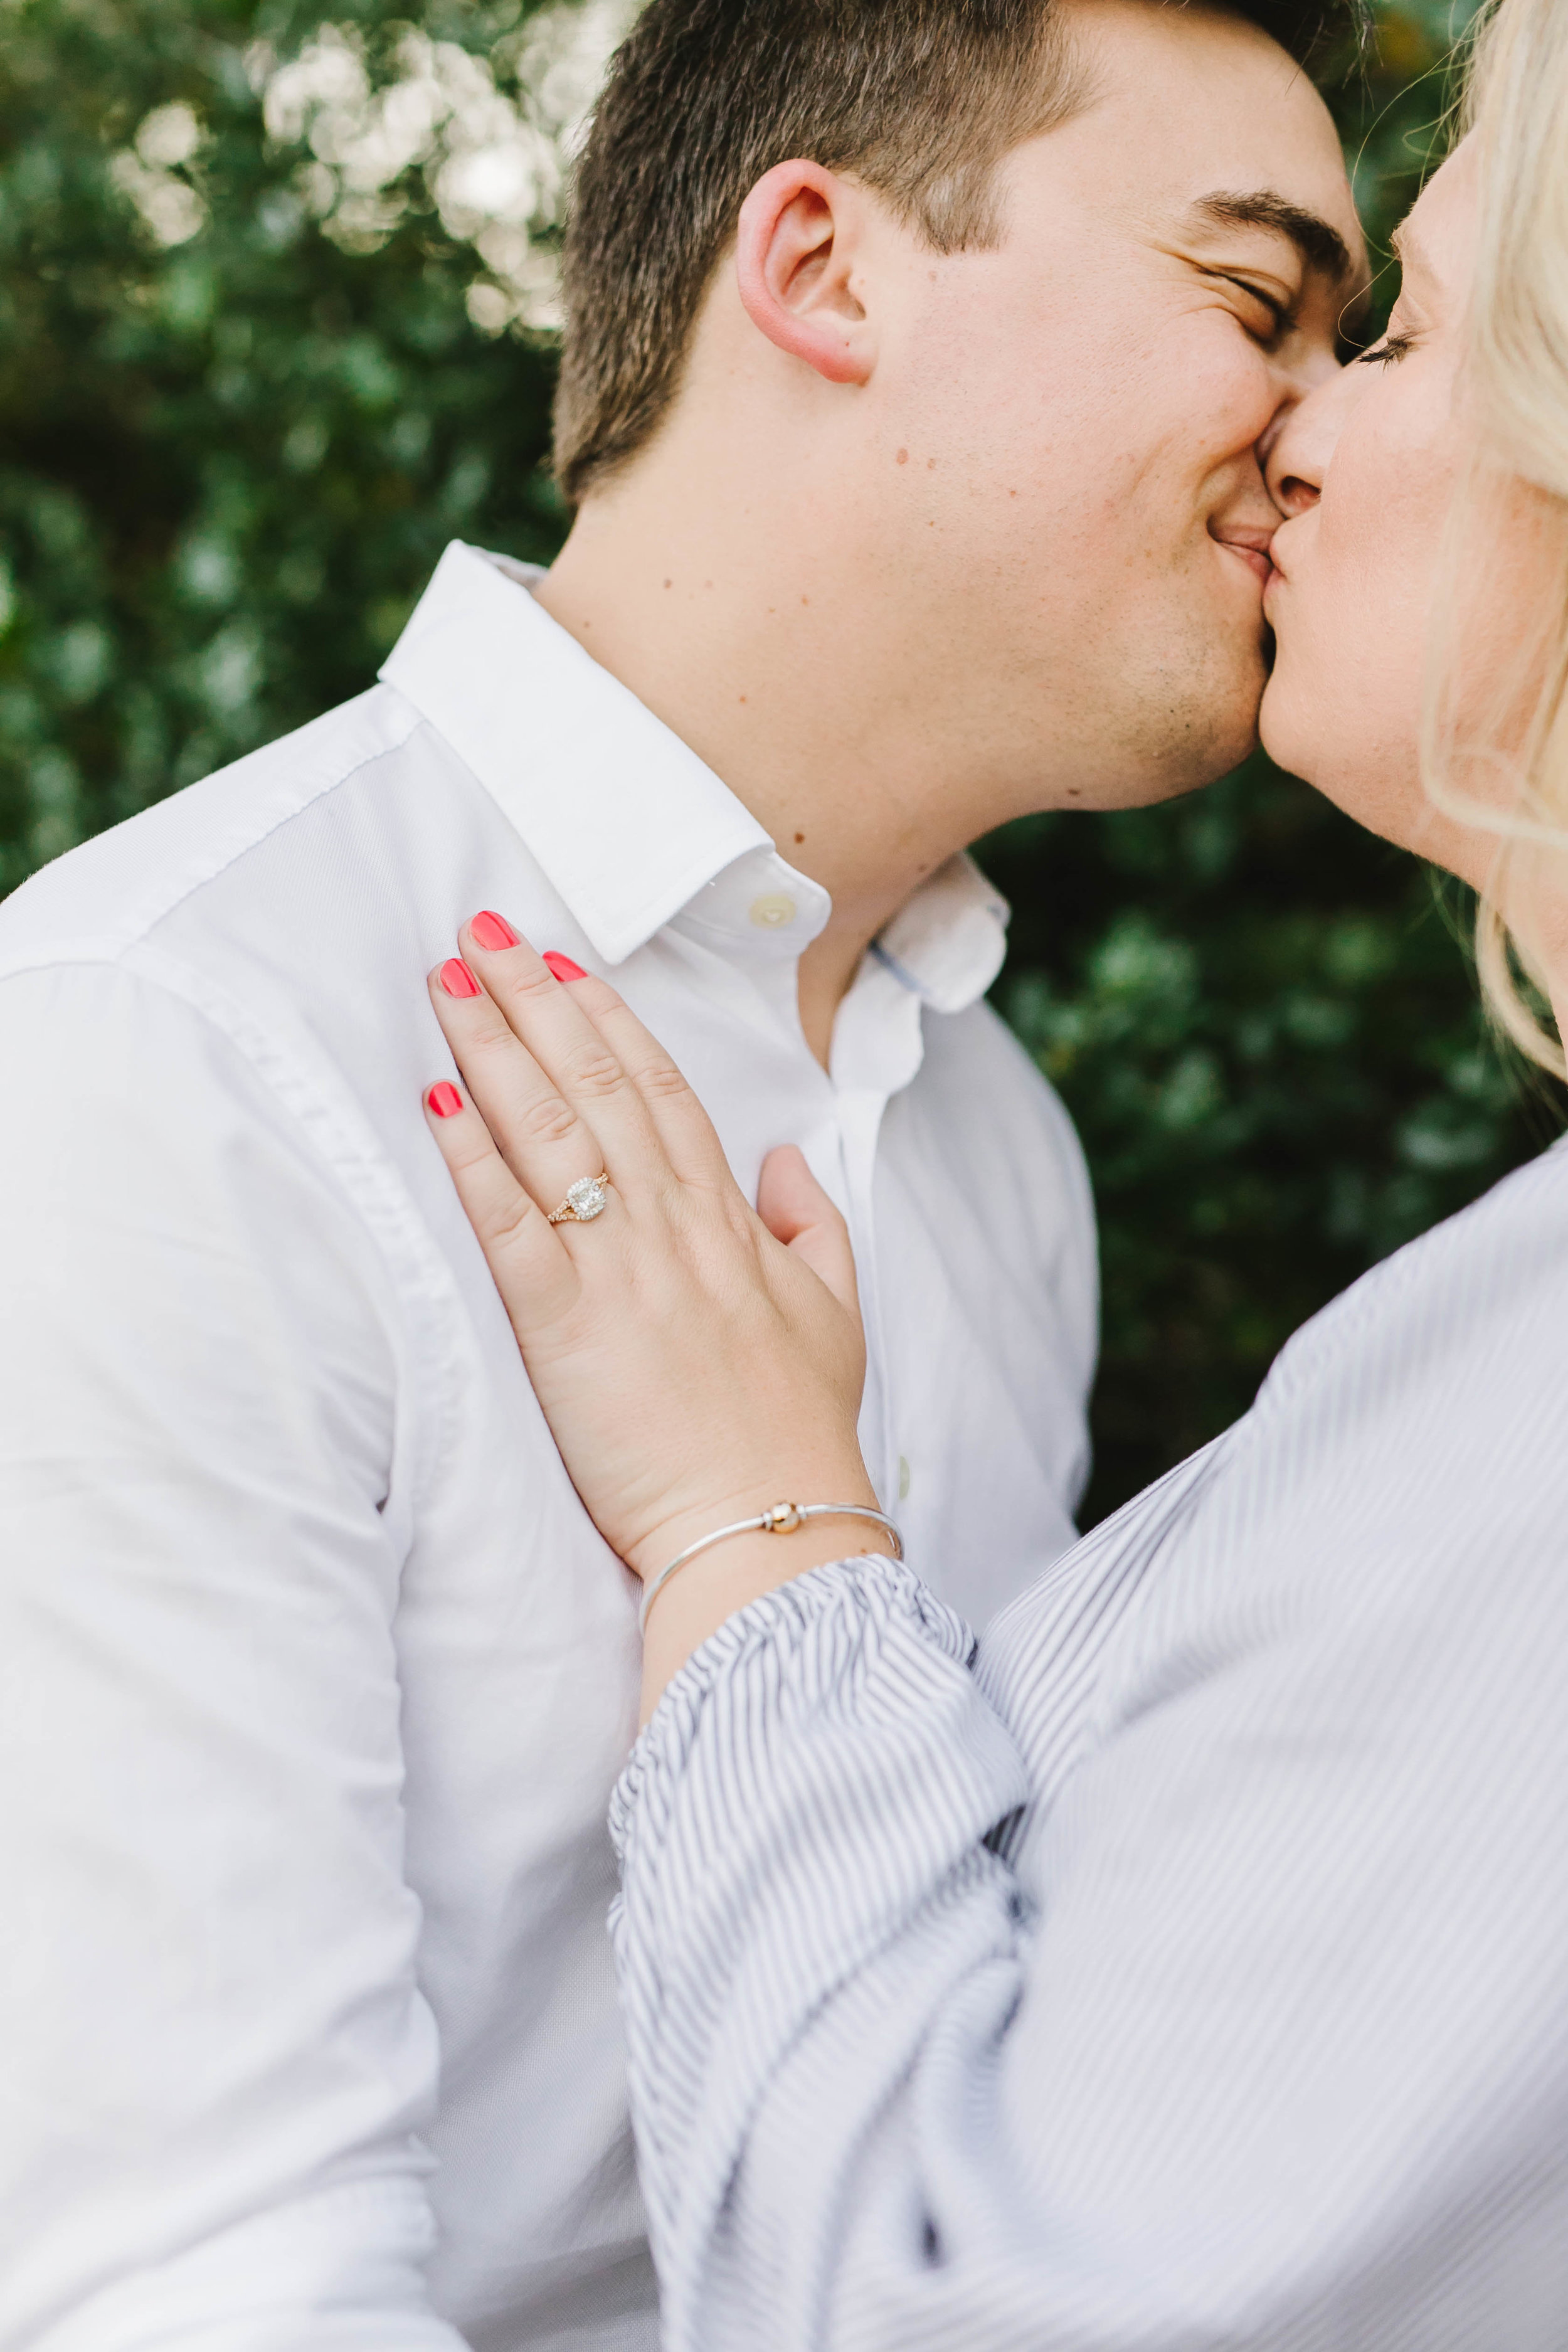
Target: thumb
[(798, 1213)]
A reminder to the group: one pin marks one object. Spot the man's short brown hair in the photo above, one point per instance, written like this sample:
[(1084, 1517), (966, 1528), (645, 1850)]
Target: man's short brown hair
[(920, 99)]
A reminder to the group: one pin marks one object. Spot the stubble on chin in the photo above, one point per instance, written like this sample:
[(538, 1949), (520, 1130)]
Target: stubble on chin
[(1193, 714)]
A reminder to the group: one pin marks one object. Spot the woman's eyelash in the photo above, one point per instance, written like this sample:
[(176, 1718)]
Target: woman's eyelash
[(1390, 347)]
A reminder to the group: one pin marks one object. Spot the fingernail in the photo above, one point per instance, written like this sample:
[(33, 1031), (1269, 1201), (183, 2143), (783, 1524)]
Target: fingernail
[(493, 930), (457, 979), (444, 1099), (562, 966)]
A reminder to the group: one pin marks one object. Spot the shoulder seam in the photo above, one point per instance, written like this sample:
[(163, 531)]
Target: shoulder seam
[(112, 949), (360, 1170)]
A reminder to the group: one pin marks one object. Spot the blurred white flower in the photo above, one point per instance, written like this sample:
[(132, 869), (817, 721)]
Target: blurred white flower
[(561, 64), (493, 166), (316, 184), (169, 135), (170, 209), (487, 306), (329, 72), (148, 173), (507, 179)]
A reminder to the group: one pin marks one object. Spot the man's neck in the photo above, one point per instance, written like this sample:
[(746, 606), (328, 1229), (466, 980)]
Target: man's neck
[(758, 663)]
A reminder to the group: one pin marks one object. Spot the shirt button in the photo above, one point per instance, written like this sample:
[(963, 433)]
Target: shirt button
[(773, 910), (903, 1479)]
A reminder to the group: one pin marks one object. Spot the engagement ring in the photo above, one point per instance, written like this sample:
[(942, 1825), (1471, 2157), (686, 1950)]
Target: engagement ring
[(585, 1201)]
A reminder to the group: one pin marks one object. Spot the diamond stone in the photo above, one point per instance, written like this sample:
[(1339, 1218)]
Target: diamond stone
[(585, 1198)]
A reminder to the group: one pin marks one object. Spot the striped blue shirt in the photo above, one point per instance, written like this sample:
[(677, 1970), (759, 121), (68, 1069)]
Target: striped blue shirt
[(1186, 1966)]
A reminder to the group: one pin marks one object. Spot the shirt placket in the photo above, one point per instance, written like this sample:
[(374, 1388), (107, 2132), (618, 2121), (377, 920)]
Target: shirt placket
[(878, 1044), (758, 915)]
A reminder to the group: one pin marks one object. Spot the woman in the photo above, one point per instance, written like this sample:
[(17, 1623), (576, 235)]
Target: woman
[(1181, 1967)]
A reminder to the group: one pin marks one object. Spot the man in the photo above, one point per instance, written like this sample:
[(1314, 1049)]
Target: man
[(914, 396)]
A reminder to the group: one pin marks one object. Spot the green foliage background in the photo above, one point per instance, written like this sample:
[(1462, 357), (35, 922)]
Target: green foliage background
[(227, 466)]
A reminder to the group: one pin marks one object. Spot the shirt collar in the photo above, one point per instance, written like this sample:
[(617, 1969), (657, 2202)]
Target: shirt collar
[(947, 942), (632, 829)]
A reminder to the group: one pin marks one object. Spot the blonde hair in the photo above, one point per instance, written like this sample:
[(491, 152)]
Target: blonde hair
[(1516, 103)]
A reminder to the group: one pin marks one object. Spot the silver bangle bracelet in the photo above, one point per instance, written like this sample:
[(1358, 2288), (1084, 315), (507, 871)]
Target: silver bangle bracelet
[(779, 1519)]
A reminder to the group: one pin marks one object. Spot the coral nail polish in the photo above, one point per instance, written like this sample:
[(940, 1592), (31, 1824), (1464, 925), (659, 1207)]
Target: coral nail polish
[(445, 1099), (457, 979), (493, 930), (562, 966)]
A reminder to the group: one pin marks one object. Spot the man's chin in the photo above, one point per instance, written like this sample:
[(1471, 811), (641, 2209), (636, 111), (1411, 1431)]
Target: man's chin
[(1157, 747), (1203, 758), (1210, 734), (1173, 778)]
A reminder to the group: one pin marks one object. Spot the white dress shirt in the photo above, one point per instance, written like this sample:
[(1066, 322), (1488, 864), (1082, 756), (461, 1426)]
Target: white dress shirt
[(1187, 1970), (314, 1676)]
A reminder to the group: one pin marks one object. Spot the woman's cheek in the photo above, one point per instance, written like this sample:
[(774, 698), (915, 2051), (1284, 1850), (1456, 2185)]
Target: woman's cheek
[(1384, 526), (1342, 708)]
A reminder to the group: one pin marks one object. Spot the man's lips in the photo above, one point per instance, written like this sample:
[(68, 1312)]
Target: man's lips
[(1249, 541)]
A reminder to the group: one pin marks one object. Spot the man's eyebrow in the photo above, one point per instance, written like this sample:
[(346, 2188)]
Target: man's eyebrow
[(1318, 242)]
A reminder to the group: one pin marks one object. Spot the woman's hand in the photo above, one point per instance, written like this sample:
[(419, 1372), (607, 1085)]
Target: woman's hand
[(694, 1365)]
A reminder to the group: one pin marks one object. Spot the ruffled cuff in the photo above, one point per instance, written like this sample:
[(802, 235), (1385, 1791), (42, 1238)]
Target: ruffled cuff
[(811, 1621)]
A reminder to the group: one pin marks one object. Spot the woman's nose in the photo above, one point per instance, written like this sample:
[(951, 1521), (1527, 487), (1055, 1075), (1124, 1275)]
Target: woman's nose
[(1294, 456)]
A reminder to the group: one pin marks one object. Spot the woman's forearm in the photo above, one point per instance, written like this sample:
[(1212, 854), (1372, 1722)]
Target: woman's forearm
[(805, 1884)]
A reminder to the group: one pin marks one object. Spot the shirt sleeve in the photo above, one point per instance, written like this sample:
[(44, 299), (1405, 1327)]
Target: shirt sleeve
[(216, 2062), (1269, 2051)]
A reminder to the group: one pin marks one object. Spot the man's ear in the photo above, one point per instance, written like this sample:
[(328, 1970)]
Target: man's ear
[(795, 252)]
